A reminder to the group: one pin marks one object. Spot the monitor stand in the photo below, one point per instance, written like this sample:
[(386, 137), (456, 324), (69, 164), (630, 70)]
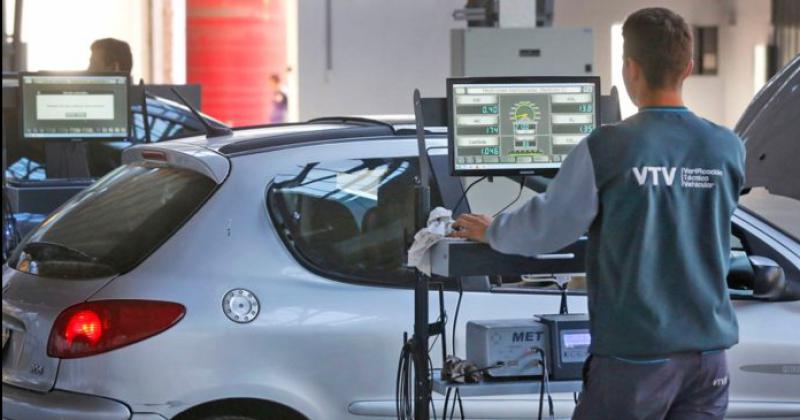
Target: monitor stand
[(67, 160)]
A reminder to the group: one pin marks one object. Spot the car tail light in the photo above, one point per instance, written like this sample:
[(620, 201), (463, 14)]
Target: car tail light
[(154, 155), (96, 327)]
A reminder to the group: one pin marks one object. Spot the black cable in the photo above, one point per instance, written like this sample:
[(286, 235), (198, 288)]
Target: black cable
[(455, 317), (430, 381), (433, 343), (541, 392), (460, 404), (464, 194), (519, 194), (397, 398), (446, 401), (441, 321), (404, 382), (544, 386), (403, 391), (547, 390), (564, 309), (457, 397), (453, 408)]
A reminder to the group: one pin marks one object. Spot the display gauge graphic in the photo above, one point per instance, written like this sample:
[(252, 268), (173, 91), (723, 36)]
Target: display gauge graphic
[(525, 117), (513, 125)]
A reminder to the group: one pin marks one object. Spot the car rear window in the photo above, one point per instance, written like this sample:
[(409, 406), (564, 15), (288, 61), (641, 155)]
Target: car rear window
[(110, 227), (350, 220)]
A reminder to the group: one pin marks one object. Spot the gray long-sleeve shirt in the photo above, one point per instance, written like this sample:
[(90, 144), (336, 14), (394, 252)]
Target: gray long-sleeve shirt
[(555, 219), (656, 193)]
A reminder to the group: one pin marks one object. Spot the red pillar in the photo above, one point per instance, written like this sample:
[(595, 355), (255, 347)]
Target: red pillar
[(233, 46)]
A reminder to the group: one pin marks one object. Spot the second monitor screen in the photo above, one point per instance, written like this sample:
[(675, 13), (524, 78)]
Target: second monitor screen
[(74, 106), (514, 127)]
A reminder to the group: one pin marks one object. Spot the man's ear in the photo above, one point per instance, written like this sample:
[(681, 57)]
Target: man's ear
[(688, 70), (630, 75), (633, 69)]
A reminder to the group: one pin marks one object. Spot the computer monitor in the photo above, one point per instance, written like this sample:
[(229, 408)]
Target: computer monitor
[(506, 126), (74, 106)]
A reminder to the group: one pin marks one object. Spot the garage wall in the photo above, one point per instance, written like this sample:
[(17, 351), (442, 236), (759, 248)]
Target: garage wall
[(748, 26), (743, 25), (382, 49)]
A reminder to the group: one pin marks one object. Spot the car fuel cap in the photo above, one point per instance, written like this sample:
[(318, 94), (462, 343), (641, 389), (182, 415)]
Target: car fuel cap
[(240, 305)]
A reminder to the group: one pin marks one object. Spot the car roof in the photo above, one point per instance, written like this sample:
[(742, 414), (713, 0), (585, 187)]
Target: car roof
[(248, 140)]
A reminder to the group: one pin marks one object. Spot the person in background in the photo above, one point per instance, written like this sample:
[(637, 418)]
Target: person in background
[(111, 55), (85, 160), (280, 102), (108, 55)]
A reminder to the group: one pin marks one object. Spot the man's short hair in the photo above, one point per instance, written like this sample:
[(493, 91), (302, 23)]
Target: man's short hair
[(115, 51), (660, 41)]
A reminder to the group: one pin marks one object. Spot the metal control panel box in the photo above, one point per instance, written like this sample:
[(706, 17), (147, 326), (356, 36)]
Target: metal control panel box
[(569, 344), (521, 52), (511, 342)]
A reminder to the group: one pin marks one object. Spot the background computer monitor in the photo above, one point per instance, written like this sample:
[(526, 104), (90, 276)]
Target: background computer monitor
[(74, 106), (518, 125)]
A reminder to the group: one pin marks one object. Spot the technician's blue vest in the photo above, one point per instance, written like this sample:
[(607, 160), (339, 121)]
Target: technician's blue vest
[(659, 247)]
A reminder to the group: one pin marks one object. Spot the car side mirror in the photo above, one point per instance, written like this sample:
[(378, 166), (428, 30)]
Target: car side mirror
[(769, 280)]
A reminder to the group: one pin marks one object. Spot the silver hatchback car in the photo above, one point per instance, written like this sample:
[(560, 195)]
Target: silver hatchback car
[(261, 276)]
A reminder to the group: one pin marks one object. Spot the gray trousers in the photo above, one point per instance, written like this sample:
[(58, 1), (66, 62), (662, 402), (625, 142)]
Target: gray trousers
[(684, 386)]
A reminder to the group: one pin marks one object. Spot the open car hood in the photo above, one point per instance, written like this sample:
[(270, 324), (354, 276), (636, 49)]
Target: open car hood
[(770, 128)]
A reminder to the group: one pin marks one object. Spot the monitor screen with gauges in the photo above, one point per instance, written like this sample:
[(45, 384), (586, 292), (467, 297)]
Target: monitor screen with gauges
[(511, 126)]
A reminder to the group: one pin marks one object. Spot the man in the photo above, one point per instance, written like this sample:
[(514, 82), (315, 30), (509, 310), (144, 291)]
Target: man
[(280, 101), (111, 55), (656, 193), (81, 159)]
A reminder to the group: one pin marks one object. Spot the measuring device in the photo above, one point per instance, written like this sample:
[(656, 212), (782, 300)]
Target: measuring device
[(569, 344), (512, 348)]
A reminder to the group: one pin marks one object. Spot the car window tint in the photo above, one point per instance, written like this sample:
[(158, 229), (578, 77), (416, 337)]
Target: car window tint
[(115, 223), (351, 219)]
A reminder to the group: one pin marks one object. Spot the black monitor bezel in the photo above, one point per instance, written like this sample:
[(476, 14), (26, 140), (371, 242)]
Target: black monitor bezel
[(548, 172), (63, 139)]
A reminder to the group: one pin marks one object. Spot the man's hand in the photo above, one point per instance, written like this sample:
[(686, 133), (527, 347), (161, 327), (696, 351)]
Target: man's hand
[(472, 226)]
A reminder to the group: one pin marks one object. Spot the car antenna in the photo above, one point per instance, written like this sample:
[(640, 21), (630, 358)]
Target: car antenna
[(211, 130), (145, 116)]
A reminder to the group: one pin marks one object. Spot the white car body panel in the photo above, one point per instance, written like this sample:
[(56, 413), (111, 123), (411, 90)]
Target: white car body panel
[(325, 348)]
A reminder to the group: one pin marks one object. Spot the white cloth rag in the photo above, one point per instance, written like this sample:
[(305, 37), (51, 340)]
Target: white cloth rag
[(440, 224)]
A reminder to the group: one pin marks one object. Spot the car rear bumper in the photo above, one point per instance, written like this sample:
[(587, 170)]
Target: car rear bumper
[(21, 404)]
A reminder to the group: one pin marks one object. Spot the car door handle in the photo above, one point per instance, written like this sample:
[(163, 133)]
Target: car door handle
[(564, 256)]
